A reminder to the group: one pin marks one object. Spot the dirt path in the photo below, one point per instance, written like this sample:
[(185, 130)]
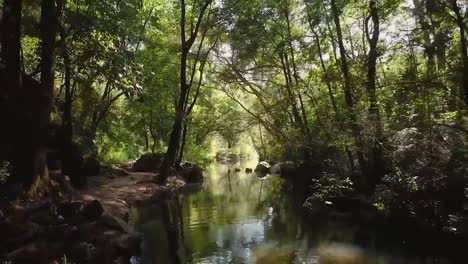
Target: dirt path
[(118, 193)]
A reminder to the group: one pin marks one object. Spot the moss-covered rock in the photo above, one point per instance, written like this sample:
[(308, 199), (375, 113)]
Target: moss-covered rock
[(149, 162)]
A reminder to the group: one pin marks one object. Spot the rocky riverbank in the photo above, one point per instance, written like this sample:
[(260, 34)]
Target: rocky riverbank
[(81, 226)]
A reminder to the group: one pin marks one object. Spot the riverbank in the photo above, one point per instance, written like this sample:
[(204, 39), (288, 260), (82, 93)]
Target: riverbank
[(82, 226)]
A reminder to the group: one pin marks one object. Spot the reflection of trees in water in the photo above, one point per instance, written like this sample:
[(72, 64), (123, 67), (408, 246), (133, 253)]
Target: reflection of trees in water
[(163, 228)]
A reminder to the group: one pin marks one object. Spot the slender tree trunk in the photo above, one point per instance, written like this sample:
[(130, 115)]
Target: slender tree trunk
[(348, 91), (463, 50), (173, 147), (374, 113), (67, 122), (182, 146), (426, 31), (330, 93), (176, 133)]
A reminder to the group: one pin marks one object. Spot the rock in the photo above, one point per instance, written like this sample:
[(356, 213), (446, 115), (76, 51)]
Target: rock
[(82, 252), (237, 169), (114, 223), (191, 172), (93, 210), (118, 246), (69, 209), (92, 166), (44, 218), (35, 252), (63, 232), (127, 245), (262, 169), (299, 172), (148, 162), (456, 170), (73, 164), (248, 170), (15, 234)]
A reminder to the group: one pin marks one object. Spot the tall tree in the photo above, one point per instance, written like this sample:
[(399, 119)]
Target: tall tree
[(10, 76), (374, 113), (347, 89), (186, 81), (461, 23)]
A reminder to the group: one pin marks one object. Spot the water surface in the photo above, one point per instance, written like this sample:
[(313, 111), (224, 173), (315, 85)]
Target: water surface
[(239, 218)]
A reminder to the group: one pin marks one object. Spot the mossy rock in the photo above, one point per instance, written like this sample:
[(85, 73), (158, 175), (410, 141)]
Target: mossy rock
[(149, 162)]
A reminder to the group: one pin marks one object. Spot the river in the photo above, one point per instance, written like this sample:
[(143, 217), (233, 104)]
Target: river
[(238, 218)]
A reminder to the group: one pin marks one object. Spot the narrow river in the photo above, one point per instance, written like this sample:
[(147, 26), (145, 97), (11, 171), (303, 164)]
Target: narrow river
[(239, 218)]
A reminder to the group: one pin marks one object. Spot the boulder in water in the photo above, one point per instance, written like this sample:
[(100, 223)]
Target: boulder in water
[(299, 172), (262, 169), (191, 173)]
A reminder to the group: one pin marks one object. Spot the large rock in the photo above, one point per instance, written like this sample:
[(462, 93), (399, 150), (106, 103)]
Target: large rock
[(35, 252), (82, 252), (69, 210), (92, 166), (191, 173), (262, 169), (73, 165), (148, 162), (299, 172), (115, 223), (93, 210)]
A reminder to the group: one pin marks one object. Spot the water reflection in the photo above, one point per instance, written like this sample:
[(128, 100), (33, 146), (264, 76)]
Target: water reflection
[(239, 218)]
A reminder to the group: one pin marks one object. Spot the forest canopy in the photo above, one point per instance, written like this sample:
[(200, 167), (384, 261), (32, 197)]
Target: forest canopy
[(349, 83)]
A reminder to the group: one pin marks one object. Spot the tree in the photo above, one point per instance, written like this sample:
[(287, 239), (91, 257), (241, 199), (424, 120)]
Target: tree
[(186, 82)]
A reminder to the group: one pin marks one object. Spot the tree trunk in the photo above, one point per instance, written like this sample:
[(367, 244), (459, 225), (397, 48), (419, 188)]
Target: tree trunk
[(11, 47), (463, 52), (374, 114), (173, 147), (11, 85), (348, 91), (429, 47), (182, 146), (67, 122)]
